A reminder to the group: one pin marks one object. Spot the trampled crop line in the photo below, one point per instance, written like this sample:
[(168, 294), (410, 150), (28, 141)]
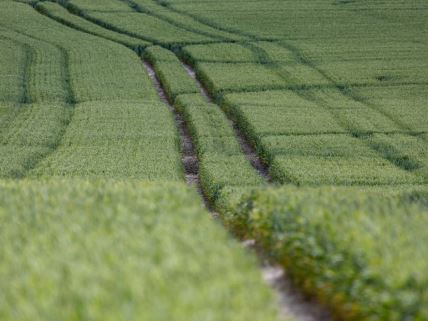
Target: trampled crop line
[(29, 53), (210, 23), (65, 66), (368, 133), (256, 89), (73, 9), (344, 90), (137, 8), (222, 28), (246, 148), (25, 97), (188, 153), (69, 108), (69, 103), (394, 158), (76, 27)]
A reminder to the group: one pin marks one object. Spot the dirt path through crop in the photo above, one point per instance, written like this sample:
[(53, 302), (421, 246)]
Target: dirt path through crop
[(188, 153), (292, 304), (246, 147)]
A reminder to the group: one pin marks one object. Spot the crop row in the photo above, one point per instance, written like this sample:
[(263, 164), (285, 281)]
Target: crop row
[(360, 251), (109, 250), (123, 139)]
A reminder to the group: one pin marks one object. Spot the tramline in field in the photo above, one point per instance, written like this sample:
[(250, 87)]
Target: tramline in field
[(310, 133)]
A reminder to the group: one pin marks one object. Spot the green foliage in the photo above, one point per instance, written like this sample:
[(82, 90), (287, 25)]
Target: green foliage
[(303, 20), (108, 250), (293, 114), (218, 171), (375, 72), (208, 125), (117, 140), (360, 251), (330, 159), (291, 142), (405, 104), (330, 93)]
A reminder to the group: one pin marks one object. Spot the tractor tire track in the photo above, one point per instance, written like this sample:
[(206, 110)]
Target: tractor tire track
[(187, 149), (292, 304), (246, 148)]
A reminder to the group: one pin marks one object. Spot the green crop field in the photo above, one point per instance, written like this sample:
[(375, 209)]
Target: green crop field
[(299, 125)]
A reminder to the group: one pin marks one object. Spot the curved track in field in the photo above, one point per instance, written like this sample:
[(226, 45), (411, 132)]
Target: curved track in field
[(246, 148), (189, 158), (291, 302)]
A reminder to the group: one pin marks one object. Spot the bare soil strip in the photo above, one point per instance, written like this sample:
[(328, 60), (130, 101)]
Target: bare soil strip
[(192, 74), (246, 147), (188, 153), (292, 304)]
